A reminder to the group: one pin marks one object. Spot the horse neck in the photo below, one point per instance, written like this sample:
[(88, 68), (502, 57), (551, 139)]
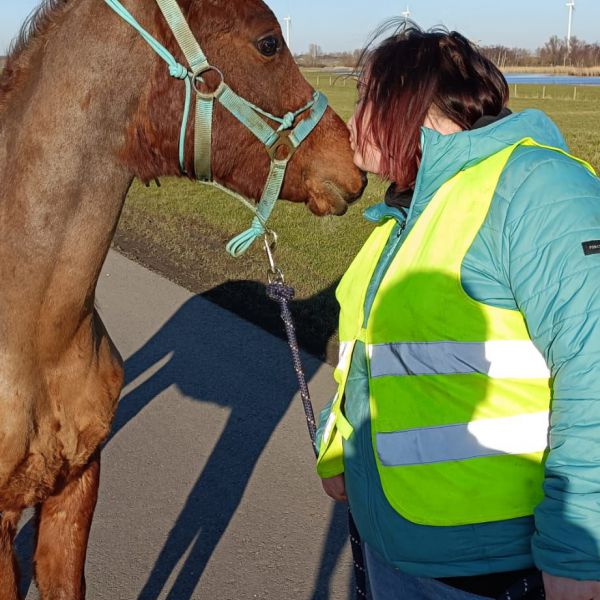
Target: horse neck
[(61, 180)]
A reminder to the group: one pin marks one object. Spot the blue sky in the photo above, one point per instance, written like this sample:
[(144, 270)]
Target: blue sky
[(345, 24)]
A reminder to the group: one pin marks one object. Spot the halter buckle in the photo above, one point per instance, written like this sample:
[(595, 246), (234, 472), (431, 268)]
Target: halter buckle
[(283, 141), (196, 79)]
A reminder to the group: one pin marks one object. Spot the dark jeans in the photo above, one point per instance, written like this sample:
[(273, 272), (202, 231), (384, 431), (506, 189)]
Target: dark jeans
[(387, 583)]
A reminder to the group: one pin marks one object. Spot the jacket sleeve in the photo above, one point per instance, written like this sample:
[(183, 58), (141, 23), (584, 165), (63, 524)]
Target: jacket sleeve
[(556, 285)]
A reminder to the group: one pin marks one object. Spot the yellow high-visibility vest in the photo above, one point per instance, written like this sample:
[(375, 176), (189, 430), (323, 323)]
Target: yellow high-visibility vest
[(459, 395)]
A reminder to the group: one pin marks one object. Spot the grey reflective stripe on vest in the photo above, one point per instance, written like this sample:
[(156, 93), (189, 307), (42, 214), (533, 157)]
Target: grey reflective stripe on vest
[(497, 359), (345, 355), (523, 434)]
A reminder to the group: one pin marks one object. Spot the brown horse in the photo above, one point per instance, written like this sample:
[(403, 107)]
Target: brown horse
[(85, 106)]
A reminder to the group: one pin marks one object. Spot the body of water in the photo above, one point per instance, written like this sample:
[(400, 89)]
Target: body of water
[(540, 79)]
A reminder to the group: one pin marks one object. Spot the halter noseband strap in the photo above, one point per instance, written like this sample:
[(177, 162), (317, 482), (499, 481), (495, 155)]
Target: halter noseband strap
[(286, 136)]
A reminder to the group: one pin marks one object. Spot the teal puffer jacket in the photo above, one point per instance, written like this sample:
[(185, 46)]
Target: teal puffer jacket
[(529, 255)]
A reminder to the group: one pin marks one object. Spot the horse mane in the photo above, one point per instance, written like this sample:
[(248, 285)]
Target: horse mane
[(29, 39)]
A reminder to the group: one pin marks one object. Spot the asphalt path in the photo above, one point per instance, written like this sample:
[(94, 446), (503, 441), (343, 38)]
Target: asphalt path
[(208, 486)]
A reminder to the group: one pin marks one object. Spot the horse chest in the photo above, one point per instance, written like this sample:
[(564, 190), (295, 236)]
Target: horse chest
[(53, 420)]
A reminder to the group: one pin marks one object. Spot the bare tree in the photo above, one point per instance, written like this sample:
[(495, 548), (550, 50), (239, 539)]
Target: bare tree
[(554, 52)]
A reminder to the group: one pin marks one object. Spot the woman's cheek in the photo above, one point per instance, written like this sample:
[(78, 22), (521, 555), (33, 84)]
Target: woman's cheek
[(370, 161), (359, 161)]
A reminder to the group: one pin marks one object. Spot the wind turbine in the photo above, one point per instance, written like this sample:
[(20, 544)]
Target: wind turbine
[(288, 27), (571, 6), (406, 13)]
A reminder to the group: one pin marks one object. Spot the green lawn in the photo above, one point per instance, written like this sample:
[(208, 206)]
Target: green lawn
[(181, 228)]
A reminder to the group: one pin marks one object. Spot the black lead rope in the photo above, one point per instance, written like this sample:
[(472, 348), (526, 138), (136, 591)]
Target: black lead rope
[(283, 295)]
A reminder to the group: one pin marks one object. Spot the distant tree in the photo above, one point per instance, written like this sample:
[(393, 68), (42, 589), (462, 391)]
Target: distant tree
[(554, 52), (508, 57), (314, 51), (583, 54)]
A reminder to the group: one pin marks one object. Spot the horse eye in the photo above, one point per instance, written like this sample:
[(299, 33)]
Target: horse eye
[(268, 46)]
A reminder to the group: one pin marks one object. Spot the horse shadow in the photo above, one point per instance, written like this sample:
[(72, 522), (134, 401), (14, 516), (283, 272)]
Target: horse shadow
[(208, 362)]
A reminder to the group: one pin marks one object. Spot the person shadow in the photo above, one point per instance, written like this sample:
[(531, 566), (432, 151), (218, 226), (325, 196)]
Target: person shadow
[(208, 362), (218, 367)]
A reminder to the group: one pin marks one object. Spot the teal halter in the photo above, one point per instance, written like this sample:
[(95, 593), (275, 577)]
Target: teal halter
[(286, 136)]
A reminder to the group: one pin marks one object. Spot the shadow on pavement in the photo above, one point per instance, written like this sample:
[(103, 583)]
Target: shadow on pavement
[(209, 363), (24, 549), (316, 317)]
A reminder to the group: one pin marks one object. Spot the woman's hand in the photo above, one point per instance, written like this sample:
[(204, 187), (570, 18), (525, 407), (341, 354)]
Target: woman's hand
[(561, 588), (335, 487)]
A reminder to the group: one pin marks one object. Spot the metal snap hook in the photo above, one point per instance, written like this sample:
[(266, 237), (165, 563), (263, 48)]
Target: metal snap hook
[(271, 239), (274, 273)]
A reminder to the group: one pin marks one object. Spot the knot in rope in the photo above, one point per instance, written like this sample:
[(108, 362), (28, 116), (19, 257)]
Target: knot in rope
[(178, 71), (280, 292), (287, 121)]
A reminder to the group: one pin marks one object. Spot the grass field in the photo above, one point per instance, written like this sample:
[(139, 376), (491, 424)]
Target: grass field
[(181, 228)]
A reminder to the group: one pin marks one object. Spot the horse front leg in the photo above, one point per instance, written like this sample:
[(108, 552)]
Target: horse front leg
[(64, 522), (9, 572)]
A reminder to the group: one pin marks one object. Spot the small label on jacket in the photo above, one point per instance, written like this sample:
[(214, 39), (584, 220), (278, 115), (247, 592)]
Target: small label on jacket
[(592, 247)]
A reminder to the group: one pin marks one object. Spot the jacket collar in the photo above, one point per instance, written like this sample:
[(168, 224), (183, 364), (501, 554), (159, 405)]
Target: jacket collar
[(445, 155)]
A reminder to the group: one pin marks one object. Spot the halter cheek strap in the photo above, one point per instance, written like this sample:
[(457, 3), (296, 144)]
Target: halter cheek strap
[(286, 137)]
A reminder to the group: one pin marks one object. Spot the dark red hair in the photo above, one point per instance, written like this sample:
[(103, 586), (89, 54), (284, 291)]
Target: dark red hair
[(411, 72)]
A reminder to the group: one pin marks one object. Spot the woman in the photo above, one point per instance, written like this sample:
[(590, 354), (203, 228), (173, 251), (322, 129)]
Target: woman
[(470, 318)]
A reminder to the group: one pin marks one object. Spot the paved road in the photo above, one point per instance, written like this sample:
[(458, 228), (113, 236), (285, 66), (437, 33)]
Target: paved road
[(208, 489)]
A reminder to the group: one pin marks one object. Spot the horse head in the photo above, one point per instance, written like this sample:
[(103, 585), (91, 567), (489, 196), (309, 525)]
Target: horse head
[(243, 40)]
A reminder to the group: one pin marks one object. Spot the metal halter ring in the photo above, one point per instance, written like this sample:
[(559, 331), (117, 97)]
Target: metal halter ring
[(196, 79), (283, 141)]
